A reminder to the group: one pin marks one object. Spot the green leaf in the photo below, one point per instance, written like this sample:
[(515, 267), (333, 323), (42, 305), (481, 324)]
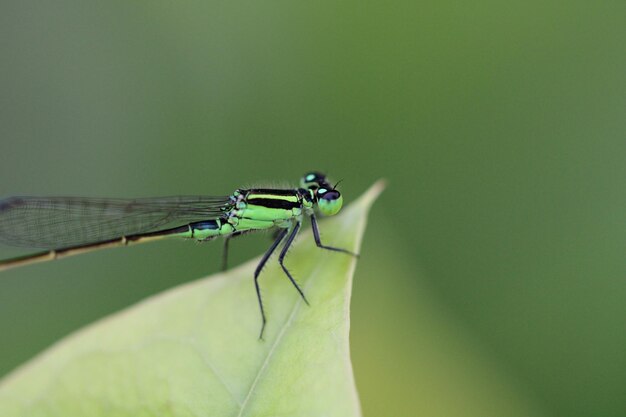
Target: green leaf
[(194, 350)]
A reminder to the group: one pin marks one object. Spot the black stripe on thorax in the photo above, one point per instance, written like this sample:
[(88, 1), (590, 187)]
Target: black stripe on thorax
[(273, 191), (274, 203)]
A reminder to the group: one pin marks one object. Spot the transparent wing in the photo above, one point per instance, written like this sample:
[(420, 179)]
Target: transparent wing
[(57, 222)]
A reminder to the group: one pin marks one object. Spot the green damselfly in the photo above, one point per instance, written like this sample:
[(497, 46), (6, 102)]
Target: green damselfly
[(66, 226)]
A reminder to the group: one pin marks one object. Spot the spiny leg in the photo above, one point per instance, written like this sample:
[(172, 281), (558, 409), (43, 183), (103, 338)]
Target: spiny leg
[(281, 258), (225, 250), (259, 267), (225, 254), (318, 242)]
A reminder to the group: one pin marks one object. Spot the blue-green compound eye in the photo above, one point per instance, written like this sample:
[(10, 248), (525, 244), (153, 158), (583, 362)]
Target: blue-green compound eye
[(312, 179), (330, 202)]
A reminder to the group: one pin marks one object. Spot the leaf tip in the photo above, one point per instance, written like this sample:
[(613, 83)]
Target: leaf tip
[(373, 192)]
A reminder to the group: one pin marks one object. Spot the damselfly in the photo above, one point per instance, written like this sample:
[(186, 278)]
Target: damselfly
[(71, 225)]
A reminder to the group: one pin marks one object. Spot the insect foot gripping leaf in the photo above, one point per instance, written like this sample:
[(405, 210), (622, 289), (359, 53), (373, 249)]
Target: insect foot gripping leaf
[(194, 351)]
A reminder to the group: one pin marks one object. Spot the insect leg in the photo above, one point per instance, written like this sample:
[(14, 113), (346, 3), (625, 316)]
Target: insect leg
[(318, 242), (225, 250), (281, 258), (259, 267)]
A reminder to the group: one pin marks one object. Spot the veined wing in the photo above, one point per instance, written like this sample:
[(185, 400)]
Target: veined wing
[(57, 222)]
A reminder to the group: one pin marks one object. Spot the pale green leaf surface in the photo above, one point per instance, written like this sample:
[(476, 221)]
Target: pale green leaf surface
[(194, 350)]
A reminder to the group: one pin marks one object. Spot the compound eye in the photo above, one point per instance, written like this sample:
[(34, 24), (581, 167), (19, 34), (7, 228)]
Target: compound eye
[(312, 179), (329, 201), (331, 195)]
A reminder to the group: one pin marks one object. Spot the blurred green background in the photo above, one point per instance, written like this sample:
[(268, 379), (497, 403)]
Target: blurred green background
[(492, 280)]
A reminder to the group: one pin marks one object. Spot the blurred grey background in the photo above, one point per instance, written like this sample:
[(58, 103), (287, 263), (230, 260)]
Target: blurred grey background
[(492, 280)]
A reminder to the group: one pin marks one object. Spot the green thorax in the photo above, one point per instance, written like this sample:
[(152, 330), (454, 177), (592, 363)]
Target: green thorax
[(266, 208)]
